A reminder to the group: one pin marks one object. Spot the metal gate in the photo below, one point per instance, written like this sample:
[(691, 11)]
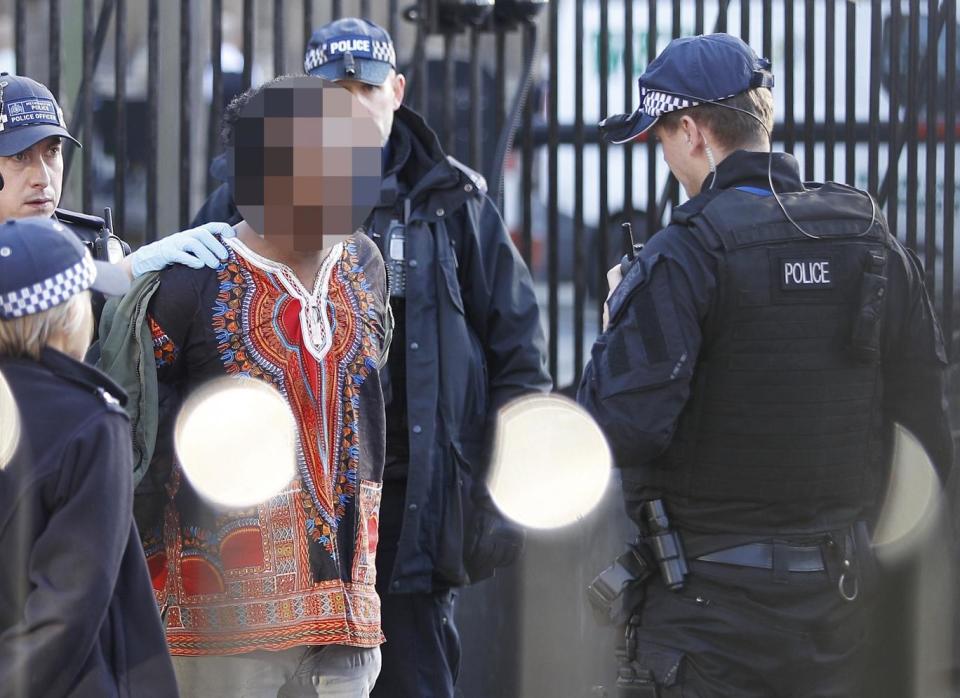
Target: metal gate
[(866, 93)]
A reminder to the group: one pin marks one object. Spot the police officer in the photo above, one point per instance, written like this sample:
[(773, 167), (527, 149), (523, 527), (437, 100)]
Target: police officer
[(77, 611), (32, 133), (467, 339), (753, 358)]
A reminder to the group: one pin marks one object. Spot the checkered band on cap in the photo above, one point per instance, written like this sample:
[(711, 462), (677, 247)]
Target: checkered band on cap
[(315, 58), (384, 51), (51, 292), (656, 103)]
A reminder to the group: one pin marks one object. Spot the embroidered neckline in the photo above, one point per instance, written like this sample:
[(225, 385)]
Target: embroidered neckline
[(314, 312)]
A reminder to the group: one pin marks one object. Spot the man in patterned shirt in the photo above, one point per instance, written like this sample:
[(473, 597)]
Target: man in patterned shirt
[(280, 596)]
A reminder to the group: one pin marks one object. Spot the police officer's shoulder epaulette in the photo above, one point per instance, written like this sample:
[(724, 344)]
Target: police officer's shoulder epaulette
[(683, 213), (110, 401), (83, 225), (689, 215), (477, 179), (97, 384)]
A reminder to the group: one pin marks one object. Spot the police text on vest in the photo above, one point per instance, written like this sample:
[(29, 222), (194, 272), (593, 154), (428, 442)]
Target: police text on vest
[(806, 273)]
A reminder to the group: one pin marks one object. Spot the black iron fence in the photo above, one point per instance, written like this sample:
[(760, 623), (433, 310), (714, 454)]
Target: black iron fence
[(866, 93)]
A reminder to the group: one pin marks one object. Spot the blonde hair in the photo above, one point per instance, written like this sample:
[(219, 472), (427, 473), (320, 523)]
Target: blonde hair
[(733, 129), (27, 336)]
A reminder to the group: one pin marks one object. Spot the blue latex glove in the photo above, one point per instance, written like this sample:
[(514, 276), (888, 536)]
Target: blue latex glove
[(194, 248)]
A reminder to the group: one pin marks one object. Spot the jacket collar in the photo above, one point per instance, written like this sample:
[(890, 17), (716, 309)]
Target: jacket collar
[(749, 168), (79, 373), (425, 174)]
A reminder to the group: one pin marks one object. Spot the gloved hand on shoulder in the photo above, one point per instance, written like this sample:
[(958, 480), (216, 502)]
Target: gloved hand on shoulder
[(195, 248)]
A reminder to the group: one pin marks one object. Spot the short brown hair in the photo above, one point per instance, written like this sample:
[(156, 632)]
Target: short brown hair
[(732, 129)]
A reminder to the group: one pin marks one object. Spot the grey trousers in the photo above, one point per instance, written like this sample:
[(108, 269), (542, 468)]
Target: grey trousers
[(329, 671)]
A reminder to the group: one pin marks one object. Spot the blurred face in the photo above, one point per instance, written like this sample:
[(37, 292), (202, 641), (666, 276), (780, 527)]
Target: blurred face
[(32, 180), (381, 100), (306, 163)]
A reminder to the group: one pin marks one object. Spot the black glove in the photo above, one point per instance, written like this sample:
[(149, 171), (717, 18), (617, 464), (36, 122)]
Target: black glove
[(494, 541)]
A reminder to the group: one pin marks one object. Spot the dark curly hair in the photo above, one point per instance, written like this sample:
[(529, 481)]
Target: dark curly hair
[(231, 115)]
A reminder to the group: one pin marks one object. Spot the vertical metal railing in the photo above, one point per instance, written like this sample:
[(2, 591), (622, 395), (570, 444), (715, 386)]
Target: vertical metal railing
[(850, 81), (744, 20), (553, 258), (248, 34), (652, 217), (930, 149), (673, 185), (153, 121), (809, 85), (421, 95), (873, 165), (307, 21), (476, 126), (279, 45), (526, 141), (20, 29), (628, 104), (893, 122), (950, 126), (86, 105), (767, 28), (910, 126), (186, 40), (393, 16), (447, 95), (830, 89), (54, 48), (604, 213), (789, 77), (579, 270), (500, 90), (120, 117), (216, 84)]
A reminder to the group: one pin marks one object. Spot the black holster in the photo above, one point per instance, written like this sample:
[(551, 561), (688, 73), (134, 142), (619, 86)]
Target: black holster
[(615, 592)]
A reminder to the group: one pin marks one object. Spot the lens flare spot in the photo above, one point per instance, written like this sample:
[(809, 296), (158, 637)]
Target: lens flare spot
[(912, 502), (551, 463), (236, 439), (9, 423)]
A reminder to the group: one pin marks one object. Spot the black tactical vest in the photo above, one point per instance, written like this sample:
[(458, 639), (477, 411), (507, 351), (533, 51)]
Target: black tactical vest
[(786, 395)]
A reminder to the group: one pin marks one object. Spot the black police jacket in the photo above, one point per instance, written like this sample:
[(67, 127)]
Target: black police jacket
[(733, 379), (473, 342), (77, 612)]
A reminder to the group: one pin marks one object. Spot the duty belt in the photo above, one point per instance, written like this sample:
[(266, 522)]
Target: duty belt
[(840, 554), (834, 553)]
